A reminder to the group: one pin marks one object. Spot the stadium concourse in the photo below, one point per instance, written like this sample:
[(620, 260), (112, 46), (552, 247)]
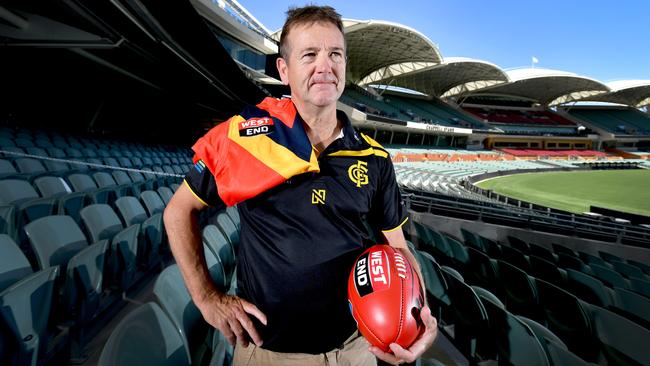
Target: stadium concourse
[(104, 99)]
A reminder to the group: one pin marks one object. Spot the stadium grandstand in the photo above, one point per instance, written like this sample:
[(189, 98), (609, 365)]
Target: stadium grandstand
[(103, 101)]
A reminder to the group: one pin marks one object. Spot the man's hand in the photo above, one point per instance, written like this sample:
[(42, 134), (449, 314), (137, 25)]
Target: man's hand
[(230, 314), (401, 355)]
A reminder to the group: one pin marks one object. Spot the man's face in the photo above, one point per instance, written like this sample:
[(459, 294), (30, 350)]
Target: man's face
[(315, 64)]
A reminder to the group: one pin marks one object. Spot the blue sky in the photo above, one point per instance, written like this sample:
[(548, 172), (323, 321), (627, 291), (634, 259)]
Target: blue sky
[(605, 40)]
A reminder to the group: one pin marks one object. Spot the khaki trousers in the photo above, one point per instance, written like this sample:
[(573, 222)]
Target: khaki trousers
[(353, 353)]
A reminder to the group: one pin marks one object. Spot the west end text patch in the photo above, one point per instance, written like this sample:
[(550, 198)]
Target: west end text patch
[(256, 126)]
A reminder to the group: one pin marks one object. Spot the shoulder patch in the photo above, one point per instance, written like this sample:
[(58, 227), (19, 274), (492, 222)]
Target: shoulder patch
[(256, 126)]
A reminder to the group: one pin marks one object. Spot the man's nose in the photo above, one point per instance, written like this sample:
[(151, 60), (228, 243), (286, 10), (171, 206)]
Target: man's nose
[(323, 62)]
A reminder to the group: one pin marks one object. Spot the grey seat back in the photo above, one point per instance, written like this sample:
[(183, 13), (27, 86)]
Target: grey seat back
[(14, 266), (131, 210), (27, 319), (55, 239), (146, 336), (101, 222)]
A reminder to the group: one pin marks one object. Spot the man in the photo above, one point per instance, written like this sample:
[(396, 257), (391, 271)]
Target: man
[(299, 236)]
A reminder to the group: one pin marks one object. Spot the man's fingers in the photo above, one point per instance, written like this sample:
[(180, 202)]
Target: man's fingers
[(403, 354), (238, 330), (384, 356), (250, 328), (253, 310)]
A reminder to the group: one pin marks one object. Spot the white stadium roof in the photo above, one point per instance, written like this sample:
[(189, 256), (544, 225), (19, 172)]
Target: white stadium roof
[(635, 93), (373, 44), (547, 87), (436, 79)]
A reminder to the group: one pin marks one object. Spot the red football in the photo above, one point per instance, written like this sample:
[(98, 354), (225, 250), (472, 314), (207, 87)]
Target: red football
[(385, 297)]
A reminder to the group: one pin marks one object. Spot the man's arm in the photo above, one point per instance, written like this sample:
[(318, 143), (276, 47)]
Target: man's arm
[(395, 238), (229, 314)]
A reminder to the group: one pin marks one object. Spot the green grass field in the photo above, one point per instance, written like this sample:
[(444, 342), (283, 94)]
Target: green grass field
[(623, 190)]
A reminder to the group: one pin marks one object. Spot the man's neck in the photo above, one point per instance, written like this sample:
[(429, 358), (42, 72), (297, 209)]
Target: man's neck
[(321, 125)]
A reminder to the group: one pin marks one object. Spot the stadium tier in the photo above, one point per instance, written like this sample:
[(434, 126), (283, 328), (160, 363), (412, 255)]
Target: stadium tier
[(619, 121)]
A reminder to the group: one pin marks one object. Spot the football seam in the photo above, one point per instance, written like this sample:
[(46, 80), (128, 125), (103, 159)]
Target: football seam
[(375, 336), (401, 311)]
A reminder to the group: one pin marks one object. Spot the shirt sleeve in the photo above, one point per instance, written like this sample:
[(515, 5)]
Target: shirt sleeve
[(388, 212), (201, 182)]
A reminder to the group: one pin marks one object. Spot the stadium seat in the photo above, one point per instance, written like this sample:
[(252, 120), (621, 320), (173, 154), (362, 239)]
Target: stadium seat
[(567, 261), (83, 288), (229, 230), (165, 194), (589, 288), (56, 166), (102, 223), (486, 295), (520, 292), (628, 270), (640, 287), (56, 152), (233, 212), (543, 333), (37, 151), (608, 257), (542, 252), (634, 306), (519, 244), (215, 240), (644, 267), (623, 342), (8, 221), (557, 248), (483, 272), (26, 319), (14, 265), (546, 270), (515, 257), (121, 177), (473, 240), (609, 277), (591, 259), (104, 179), (82, 182), (459, 258), (471, 334), (131, 210), (559, 355), (566, 316), (152, 202), (30, 166), (146, 336), (55, 239), (515, 342), (7, 169), (436, 286), (175, 300), (50, 186)]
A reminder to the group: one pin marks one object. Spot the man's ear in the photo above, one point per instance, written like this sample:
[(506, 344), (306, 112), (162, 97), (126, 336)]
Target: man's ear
[(281, 64)]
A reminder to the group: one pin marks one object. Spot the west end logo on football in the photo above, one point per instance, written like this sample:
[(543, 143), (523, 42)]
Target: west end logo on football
[(371, 273), (256, 126), (358, 173)]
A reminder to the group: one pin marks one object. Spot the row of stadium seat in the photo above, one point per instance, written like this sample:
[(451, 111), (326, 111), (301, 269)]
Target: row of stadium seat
[(73, 244), (30, 168), (87, 274), (171, 331), (541, 296), (24, 138)]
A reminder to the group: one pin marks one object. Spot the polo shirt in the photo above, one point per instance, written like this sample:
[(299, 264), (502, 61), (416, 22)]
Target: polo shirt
[(299, 239)]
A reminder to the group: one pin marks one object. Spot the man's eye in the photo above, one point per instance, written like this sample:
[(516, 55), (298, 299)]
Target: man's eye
[(336, 56), (309, 55)]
